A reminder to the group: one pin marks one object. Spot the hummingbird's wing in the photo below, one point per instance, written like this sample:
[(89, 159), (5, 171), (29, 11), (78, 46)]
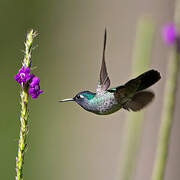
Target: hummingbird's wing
[(139, 101), (104, 81), (134, 102)]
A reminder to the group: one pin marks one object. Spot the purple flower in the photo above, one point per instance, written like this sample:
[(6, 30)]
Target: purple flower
[(34, 87), (23, 76), (169, 33)]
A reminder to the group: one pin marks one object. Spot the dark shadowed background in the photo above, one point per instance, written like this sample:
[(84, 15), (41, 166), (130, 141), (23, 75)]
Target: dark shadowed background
[(65, 142)]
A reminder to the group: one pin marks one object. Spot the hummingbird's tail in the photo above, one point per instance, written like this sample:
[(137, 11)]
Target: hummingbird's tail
[(144, 81), (139, 98)]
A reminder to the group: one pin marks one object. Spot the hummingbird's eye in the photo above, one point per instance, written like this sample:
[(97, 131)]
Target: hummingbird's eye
[(78, 96)]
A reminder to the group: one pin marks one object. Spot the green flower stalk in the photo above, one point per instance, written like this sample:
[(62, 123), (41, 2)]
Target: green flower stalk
[(22, 135), (171, 37), (24, 78)]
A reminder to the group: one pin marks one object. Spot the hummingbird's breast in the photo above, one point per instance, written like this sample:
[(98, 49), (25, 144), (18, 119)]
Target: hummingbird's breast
[(104, 103)]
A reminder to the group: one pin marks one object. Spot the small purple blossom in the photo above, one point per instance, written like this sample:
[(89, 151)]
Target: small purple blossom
[(34, 87), (23, 75), (169, 33)]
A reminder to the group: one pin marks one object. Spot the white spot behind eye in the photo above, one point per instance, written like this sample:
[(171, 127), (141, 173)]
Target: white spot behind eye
[(81, 96)]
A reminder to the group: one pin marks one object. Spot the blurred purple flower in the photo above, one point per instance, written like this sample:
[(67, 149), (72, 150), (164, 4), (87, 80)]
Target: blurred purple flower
[(23, 76), (34, 87), (169, 33)]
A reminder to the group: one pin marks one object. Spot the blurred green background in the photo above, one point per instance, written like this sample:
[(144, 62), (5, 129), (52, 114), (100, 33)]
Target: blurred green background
[(66, 142)]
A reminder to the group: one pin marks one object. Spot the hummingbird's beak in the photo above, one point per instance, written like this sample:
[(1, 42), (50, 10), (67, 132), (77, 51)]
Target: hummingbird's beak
[(65, 100)]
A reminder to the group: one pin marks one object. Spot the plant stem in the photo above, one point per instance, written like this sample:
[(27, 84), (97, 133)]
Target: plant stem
[(133, 126), (24, 110), (168, 107), (22, 136), (167, 119)]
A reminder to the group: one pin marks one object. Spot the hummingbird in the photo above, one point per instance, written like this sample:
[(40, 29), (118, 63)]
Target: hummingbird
[(130, 96)]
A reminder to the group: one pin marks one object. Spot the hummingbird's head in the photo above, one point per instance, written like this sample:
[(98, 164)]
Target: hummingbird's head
[(82, 98)]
